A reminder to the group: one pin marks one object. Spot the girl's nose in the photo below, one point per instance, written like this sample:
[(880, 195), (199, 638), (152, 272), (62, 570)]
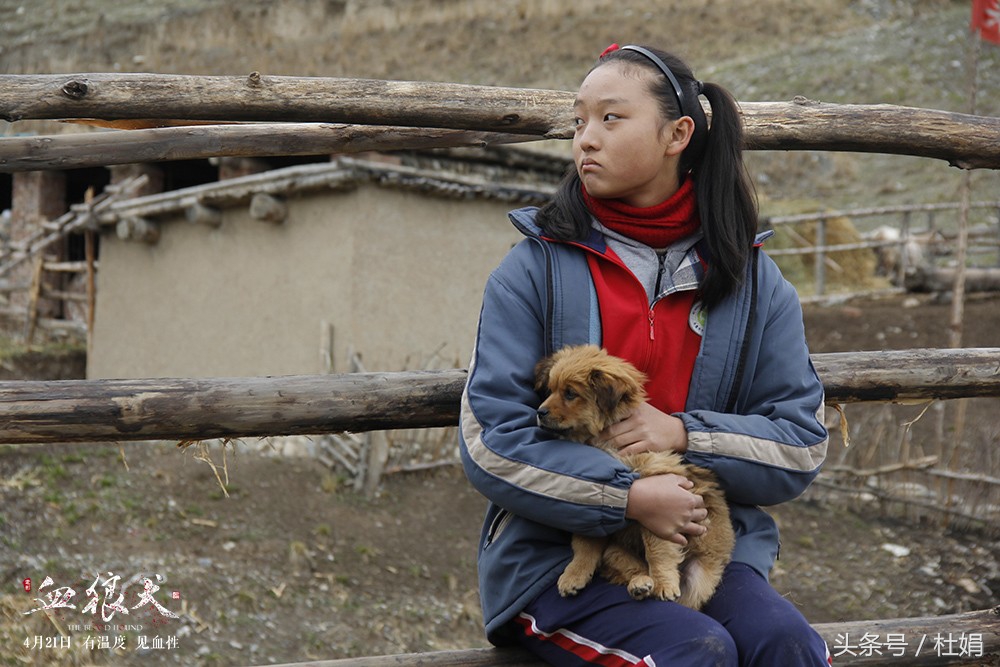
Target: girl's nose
[(587, 138)]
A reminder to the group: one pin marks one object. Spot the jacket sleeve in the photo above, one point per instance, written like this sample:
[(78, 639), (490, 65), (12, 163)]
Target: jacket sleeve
[(771, 447), (506, 456)]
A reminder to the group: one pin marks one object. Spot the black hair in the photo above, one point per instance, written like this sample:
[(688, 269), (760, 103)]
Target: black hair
[(727, 204)]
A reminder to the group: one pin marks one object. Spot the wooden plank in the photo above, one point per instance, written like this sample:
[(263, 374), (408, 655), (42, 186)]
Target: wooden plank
[(190, 409), (963, 140), (919, 634)]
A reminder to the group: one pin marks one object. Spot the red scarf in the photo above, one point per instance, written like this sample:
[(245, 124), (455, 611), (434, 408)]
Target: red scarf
[(656, 226)]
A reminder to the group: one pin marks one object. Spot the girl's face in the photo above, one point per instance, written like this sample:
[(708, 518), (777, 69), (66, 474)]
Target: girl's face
[(623, 147)]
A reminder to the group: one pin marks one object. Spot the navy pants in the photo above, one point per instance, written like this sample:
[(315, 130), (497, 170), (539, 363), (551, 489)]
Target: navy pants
[(746, 623)]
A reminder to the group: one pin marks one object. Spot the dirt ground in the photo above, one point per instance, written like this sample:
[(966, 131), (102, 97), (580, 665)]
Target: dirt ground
[(295, 566)]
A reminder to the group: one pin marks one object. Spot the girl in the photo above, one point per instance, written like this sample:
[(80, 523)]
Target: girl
[(649, 250)]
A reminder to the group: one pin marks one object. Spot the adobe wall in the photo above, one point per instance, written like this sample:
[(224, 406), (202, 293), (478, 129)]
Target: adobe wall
[(399, 275)]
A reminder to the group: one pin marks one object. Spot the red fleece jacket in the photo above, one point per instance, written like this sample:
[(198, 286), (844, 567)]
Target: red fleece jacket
[(665, 349)]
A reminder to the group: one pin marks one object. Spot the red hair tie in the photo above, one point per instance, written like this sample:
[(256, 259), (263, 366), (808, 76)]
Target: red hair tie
[(613, 47)]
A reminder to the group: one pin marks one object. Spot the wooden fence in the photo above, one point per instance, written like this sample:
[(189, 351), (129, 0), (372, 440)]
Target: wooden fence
[(404, 111), (184, 409)]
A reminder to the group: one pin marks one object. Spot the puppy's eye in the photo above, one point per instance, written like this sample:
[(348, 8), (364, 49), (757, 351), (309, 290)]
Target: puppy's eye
[(569, 394)]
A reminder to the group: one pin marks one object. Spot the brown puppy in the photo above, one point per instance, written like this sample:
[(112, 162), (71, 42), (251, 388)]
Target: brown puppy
[(586, 390)]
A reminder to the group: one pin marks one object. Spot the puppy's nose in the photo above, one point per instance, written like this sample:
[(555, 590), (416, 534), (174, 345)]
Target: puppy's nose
[(541, 414)]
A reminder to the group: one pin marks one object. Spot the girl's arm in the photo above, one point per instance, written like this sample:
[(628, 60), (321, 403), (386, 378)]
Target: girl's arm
[(506, 456), (772, 448)]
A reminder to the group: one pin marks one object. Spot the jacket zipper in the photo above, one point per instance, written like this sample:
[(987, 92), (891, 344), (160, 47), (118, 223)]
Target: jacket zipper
[(500, 522), (649, 313), (662, 257)]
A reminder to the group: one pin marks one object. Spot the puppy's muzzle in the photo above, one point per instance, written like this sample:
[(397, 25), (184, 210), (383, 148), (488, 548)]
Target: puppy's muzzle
[(544, 419)]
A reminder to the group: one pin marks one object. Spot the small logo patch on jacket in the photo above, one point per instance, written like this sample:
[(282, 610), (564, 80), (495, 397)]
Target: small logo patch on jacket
[(698, 318)]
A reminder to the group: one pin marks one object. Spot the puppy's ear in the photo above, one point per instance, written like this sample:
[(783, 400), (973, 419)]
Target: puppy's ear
[(609, 391), (542, 370), (615, 390)]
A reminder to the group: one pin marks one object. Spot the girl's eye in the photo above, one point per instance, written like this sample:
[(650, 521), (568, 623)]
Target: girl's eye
[(611, 116), (577, 122)]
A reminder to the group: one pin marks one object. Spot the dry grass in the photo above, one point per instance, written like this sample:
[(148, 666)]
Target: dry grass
[(846, 270), (203, 452)]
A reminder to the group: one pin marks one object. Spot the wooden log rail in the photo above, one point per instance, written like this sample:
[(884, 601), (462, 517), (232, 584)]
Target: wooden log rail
[(193, 409), (96, 149), (842, 638), (963, 140)]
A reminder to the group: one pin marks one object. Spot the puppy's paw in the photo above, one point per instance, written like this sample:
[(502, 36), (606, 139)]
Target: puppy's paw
[(640, 586), (666, 590), (569, 585)]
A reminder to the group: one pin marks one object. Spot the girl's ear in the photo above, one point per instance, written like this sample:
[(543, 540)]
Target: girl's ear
[(680, 133)]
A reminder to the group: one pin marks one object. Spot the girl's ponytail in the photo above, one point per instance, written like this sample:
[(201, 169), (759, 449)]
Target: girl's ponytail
[(726, 200)]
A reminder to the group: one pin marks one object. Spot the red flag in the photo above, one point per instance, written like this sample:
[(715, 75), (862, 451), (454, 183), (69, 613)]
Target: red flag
[(986, 19)]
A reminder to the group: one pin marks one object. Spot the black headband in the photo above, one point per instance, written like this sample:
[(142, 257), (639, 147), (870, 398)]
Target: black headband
[(667, 73)]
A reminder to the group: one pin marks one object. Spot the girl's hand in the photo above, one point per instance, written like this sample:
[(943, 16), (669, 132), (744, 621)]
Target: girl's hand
[(665, 506), (647, 430)]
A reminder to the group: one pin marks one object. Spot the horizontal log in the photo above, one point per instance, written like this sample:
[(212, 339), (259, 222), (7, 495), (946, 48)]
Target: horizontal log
[(190, 409), (984, 625), (933, 279), (285, 99), (909, 375), (93, 149), (963, 140)]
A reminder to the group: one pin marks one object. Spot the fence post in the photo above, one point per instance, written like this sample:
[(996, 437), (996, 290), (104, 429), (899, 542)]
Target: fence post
[(998, 235), (904, 241), (820, 254)]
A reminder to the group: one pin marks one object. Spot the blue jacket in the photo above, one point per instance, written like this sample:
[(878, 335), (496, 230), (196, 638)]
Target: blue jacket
[(753, 416)]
